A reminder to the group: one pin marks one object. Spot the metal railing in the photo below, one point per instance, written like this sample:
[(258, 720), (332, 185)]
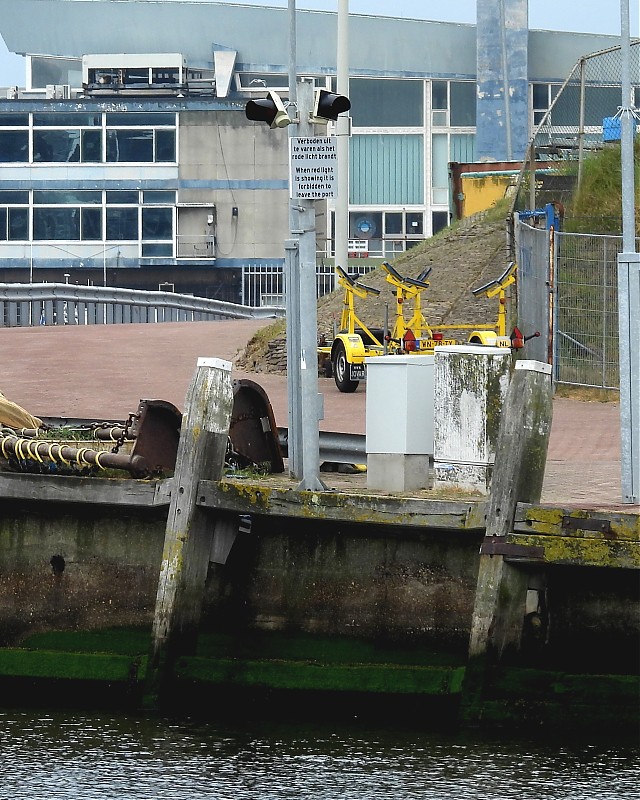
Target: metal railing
[(188, 246), (71, 304), (264, 284)]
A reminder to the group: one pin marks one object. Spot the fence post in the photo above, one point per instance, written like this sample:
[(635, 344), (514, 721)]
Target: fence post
[(187, 543)]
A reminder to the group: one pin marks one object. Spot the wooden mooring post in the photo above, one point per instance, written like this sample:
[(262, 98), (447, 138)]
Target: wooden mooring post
[(187, 544), (501, 594)]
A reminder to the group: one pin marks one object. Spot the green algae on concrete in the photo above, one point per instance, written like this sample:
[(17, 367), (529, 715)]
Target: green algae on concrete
[(115, 655), (50, 665), (306, 676), (267, 645), (131, 641), (562, 700)]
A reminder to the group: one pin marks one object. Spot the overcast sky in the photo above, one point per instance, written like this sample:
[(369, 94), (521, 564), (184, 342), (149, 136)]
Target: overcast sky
[(580, 16)]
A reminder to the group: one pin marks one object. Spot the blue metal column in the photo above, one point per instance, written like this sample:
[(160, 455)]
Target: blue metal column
[(502, 118)]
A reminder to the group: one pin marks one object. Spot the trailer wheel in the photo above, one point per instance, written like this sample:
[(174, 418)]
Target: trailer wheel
[(341, 371)]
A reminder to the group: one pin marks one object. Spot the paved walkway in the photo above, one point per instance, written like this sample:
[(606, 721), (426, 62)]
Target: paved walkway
[(102, 372)]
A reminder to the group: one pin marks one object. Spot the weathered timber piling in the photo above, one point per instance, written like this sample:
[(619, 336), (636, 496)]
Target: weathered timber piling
[(501, 595), (189, 530)]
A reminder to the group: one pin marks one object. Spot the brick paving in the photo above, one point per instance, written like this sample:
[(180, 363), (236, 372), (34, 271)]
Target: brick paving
[(101, 372)]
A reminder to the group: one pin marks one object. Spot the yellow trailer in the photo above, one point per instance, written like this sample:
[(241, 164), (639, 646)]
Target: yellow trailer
[(344, 357)]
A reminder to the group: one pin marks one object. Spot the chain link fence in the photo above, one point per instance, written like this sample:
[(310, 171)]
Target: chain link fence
[(571, 122), (568, 291), (567, 276), (586, 318)]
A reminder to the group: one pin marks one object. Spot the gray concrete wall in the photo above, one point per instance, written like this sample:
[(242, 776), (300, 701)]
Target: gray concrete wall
[(246, 166), (364, 582), (384, 584), (104, 573)]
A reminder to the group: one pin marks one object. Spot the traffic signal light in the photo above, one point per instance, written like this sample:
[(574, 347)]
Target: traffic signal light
[(270, 110), (327, 106)]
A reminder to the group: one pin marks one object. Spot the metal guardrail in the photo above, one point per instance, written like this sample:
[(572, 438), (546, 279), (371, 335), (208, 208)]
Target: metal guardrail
[(34, 304), (339, 448)]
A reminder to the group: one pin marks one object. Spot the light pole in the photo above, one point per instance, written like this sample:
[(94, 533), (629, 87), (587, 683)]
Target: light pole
[(343, 124), (628, 286), (292, 298)]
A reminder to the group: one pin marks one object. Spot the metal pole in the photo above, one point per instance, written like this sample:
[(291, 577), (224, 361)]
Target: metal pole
[(307, 359), (583, 89), (628, 287), (343, 126), (292, 296)]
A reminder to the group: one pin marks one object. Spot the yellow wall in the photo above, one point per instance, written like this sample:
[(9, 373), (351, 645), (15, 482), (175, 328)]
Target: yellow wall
[(481, 193)]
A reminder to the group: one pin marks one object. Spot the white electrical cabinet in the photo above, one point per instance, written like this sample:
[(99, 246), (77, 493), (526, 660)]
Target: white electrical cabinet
[(399, 421)]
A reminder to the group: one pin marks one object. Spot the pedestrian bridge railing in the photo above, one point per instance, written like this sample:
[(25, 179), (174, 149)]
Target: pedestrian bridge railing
[(34, 304)]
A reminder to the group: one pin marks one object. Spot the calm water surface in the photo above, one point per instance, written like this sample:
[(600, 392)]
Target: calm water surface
[(79, 756)]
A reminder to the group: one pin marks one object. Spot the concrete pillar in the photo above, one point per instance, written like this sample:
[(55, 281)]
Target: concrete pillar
[(470, 384), (502, 106)]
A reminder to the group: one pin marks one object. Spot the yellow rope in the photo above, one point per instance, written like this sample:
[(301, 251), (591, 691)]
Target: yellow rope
[(61, 457), (80, 459), (99, 455), (32, 450)]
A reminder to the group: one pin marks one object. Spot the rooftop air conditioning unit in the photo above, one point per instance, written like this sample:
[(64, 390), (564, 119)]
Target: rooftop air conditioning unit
[(57, 91)]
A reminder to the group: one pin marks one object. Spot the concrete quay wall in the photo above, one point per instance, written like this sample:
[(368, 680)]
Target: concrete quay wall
[(69, 566)]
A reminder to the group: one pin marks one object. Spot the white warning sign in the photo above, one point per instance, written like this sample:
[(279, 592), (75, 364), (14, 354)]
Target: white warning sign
[(313, 167)]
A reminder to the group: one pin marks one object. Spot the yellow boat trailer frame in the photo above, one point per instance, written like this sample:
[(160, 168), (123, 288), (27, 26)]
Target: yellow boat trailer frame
[(345, 357)]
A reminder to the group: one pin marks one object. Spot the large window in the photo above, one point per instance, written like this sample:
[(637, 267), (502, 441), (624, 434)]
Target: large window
[(14, 138), (379, 103), (67, 215), (79, 137), (453, 104), (14, 146), (123, 215), (122, 224), (54, 70), (599, 101), (382, 233), (462, 113), (14, 216), (130, 139), (14, 224)]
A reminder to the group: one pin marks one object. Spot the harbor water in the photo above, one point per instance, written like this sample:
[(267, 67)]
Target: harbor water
[(86, 756)]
